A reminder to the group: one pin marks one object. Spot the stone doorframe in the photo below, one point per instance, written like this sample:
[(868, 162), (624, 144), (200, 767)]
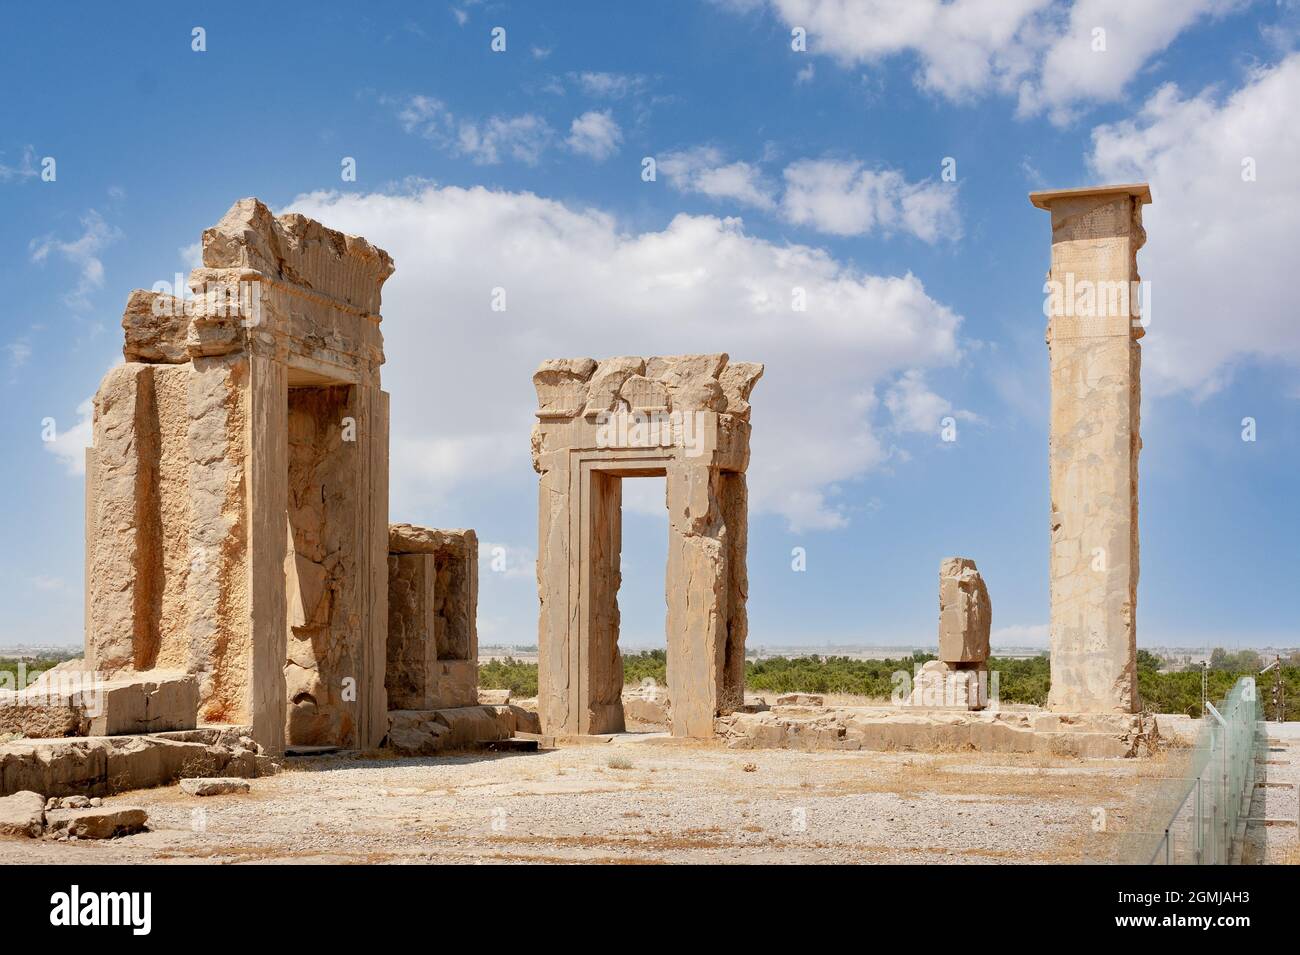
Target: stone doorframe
[(582, 457)]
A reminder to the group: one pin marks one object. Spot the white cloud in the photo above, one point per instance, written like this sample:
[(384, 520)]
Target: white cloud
[(192, 255), (699, 284), (609, 85), (25, 169), (83, 252), (842, 197), (523, 137), (914, 406), (595, 134), (69, 445), (484, 142), (702, 169), (1039, 50), (1073, 72), (1220, 251)]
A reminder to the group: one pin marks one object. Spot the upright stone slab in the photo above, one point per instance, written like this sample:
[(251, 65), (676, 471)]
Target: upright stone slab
[(432, 612), (682, 417), (1092, 337), (965, 614), (236, 493)]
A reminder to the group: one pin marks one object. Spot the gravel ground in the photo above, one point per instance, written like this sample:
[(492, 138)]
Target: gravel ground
[(640, 798)]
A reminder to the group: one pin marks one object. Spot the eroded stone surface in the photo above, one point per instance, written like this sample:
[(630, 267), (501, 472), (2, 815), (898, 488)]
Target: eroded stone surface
[(1095, 360), (236, 492), (684, 417), (102, 823), (22, 814), (432, 651), (965, 614)]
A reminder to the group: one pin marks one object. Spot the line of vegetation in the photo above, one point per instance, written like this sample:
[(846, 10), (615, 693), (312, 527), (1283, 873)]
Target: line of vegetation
[(1019, 680)]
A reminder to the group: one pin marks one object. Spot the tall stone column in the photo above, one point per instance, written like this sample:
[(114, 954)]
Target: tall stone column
[(1092, 338)]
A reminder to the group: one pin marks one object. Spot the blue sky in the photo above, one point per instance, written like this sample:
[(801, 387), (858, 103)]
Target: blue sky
[(775, 168)]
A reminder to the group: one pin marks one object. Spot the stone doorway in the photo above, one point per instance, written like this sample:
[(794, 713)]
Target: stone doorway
[(684, 418)]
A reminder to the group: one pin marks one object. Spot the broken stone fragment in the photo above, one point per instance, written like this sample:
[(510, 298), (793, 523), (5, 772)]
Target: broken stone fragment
[(22, 814), (607, 382), (561, 385), (213, 786), (444, 542), (155, 328), (493, 697), (965, 614), (691, 380), (295, 249), (738, 380), (101, 823)]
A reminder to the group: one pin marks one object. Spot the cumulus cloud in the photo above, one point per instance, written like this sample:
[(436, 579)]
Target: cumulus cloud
[(1221, 249), (82, 252), (843, 197), (1038, 50), (703, 170), (595, 134), (1102, 45), (576, 284), (69, 445)]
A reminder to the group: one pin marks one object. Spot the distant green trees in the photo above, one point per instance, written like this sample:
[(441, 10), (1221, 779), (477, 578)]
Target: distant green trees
[(1019, 680)]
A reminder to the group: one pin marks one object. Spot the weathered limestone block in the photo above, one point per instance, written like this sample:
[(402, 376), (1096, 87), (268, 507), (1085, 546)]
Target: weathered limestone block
[(561, 384), (432, 649), (101, 765), (102, 823), (683, 417), (22, 814), (646, 704), (1092, 337), (155, 328), (941, 684), (80, 705), (965, 615), (603, 390)]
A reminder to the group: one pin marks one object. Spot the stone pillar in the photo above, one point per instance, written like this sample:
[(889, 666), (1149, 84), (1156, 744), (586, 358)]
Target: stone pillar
[(1092, 337)]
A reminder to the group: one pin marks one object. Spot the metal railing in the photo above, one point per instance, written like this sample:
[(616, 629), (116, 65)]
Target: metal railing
[(1197, 817)]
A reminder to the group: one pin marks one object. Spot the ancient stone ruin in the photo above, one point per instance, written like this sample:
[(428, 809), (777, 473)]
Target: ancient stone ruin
[(685, 417), (246, 594), (959, 677), (237, 490), (239, 559), (1092, 339), (432, 618)]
